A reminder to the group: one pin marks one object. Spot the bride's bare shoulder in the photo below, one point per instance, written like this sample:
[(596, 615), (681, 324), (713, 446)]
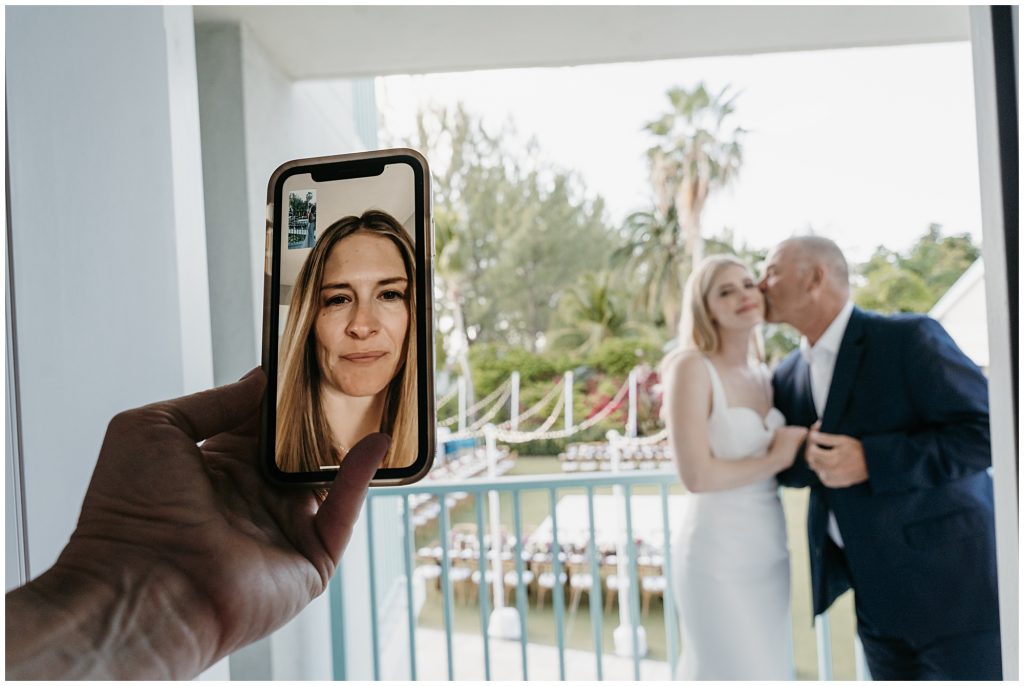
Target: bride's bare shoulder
[(684, 364)]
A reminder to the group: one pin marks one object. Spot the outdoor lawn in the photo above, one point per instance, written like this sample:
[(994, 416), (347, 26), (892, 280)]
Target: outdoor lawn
[(578, 632)]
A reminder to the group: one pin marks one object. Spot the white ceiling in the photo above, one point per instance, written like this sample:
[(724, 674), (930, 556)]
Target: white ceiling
[(332, 42)]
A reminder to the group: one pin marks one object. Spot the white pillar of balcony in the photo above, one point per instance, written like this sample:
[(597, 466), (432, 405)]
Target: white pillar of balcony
[(107, 290)]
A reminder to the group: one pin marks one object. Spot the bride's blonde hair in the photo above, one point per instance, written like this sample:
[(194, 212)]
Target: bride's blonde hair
[(697, 331)]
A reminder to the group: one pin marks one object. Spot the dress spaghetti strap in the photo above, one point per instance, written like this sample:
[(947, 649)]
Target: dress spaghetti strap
[(718, 400)]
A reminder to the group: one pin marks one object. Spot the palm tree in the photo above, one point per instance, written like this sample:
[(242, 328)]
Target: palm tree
[(655, 261), (592, 312), (452, 256), (698, 150)]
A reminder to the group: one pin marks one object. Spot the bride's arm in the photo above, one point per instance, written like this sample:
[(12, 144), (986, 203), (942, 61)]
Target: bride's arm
[(687, 409)]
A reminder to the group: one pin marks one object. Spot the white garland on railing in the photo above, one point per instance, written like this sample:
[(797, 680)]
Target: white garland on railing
[(548, 423), (537, 405), (553, 417), (543, 432), (447, 398), (497, 407), (608, 408), (469, 412), (645, 440)]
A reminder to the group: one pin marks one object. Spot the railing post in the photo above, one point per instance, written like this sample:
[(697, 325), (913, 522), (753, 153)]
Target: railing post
[(409, 599), (446, 588), (558, 589), (504, 622), (823, 633), (671, 623), (596, 610), (340, 670), (860, 661), (371, 541), (638, 649), (481, 566), (627, 642), (517, 523)]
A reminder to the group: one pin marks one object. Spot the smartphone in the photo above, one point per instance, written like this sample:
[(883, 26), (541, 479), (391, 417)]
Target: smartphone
[(348, 316)]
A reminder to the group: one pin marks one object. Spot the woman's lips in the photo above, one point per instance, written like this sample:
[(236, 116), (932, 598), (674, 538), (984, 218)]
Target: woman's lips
[(365, 357), (747, 308)]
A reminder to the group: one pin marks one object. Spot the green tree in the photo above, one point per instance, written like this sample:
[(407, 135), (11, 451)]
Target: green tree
[(914, 282), (591, 312), (698, 149), (653, 263), (941, 260), (513, 230)]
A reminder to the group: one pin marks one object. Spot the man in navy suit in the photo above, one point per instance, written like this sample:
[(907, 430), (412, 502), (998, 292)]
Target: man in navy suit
[(901, 503)]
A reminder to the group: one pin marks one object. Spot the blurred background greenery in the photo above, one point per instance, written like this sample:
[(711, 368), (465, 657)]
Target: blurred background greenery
[(532, 277)]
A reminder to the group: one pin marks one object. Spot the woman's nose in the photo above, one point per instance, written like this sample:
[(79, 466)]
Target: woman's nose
[(364, 322)]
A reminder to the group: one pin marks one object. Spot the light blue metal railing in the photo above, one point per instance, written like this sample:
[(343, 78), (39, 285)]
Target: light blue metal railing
[(515, 486)]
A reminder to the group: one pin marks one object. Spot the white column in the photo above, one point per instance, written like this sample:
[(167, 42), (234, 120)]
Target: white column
[(107, 236), (1000, 379)]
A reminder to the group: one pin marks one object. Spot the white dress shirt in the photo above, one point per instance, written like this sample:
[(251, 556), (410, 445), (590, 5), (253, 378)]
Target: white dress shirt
[(821, 358)]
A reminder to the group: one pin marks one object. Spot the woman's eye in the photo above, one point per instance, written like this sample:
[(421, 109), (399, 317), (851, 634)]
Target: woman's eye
[(392, 295), (337, 300)]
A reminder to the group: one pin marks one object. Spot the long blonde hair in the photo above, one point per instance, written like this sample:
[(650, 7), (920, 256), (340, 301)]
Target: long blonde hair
[(697, 331), (303, 435)]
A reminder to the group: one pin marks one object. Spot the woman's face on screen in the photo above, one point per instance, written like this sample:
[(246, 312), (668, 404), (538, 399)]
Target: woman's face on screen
[(363, 315)]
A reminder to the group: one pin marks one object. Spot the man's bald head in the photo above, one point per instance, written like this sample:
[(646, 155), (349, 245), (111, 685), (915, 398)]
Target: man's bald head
[(806, 284), (811, 251)]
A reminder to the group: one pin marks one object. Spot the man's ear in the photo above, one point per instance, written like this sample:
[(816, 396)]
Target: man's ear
[(817, 279)]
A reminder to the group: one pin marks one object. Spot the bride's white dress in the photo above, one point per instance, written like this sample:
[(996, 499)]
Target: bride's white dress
[(731, 562)]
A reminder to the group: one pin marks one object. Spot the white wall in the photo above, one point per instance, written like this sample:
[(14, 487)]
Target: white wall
[(107, 236), (253, 118)]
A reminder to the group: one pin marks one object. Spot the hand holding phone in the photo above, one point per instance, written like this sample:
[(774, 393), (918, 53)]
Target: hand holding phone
[(348, 315)]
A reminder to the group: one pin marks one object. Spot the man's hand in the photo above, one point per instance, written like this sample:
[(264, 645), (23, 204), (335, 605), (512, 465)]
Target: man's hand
[(837, 460), (183, 553)]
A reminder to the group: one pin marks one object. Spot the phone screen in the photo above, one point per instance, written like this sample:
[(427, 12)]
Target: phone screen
[(349, 322)]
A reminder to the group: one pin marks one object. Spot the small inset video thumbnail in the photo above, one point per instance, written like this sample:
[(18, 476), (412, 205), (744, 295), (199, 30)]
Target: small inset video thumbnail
[(301, 219)]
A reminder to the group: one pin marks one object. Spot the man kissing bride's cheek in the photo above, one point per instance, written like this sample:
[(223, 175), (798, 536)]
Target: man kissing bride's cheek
[(884, 419)]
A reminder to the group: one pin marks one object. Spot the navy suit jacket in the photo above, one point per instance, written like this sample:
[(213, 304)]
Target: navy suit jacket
[(919, 533)]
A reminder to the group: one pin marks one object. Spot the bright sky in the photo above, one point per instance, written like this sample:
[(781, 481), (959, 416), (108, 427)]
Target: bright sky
[(867, 146)]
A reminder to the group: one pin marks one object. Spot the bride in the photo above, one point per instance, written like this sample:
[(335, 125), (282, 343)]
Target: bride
[(730, 560)]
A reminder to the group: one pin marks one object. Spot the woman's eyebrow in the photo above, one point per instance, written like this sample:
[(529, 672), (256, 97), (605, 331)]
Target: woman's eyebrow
[(382, 282)]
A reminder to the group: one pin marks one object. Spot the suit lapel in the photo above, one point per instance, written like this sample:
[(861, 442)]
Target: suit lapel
[(847, 363)]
